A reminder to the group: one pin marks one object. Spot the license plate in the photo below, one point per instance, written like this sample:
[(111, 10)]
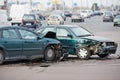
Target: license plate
[(28, 23)]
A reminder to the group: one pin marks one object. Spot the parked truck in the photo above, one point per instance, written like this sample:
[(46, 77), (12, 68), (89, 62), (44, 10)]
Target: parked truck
[(17, 12)]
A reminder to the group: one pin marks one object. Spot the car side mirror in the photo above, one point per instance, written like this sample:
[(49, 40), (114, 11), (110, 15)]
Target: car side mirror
[(70, 36), (9, 19), (38, 38)]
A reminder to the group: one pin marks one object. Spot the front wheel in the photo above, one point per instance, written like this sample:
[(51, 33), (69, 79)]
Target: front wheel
[(83, 53), (49, 54), (1, 57), (103, 55)]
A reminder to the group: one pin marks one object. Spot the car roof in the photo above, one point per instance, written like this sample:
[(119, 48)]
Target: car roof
[(6, 27), (63, 26)]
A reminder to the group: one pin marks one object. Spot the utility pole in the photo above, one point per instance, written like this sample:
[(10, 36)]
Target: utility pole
[(17, 2), (63, 2), (30, 3), (72, 4), (81, 4), (87, 3)]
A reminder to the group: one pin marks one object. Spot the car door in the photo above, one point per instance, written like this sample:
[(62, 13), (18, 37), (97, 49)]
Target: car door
[(67, 41), (12, 43), (32, 47)]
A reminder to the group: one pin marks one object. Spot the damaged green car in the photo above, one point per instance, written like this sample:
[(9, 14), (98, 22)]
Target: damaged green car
[(79, 41)]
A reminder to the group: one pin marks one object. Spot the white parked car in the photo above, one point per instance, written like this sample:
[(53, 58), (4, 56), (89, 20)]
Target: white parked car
[(55, 20), (77, 18), (84, 13)]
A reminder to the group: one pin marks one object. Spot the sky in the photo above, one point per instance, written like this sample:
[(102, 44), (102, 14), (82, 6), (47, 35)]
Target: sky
[(83, 3)]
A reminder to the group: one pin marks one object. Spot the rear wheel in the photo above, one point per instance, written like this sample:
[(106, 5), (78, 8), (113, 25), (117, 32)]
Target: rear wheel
[(49, 54), (83, 53), (82, 20), (1, 57)]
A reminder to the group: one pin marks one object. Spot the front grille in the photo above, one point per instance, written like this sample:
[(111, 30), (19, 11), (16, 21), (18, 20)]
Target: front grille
[(110, 43)]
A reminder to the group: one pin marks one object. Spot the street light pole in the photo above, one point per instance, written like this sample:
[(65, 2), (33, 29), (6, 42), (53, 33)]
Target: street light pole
[(63, 5), (81, 4), (30, 3), (87, 3)]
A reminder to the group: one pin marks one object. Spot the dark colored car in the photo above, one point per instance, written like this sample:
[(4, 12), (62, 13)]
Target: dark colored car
[(21, 43), (80, 41), (40, 13), (108, 16), (31, 21), (97, 13), (67, 13)]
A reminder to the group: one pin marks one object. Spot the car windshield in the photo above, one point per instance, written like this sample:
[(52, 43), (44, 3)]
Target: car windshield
[(53, 17), (28, 17), (80, 32), (84, 11), (76, 14), (117, 17), (108, 14)]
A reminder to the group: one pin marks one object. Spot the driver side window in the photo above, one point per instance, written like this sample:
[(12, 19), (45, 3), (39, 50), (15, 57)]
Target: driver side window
[(61, 32)]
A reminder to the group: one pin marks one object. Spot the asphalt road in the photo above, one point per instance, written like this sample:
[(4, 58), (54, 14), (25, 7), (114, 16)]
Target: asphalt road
[(72, 68)]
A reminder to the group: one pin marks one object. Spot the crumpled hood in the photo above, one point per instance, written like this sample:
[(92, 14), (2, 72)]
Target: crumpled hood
[(98, 38)]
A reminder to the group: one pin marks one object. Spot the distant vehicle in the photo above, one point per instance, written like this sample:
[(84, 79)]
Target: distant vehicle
[(67, 13), (3, 17), (117, 20), (55, 20), (41, 14), (90, 13), (21, 43), (80, 41), (31, 21), (84, 13), (59, 12), (97, 13), (108, 16), (17, 12), (77, 18)]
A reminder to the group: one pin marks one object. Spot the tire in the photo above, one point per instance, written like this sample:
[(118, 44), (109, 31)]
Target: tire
[(1, 57), (49, 54), (83, 53), (72, 20), (83, 20), (114, 25), (103, 55), (12, 24)]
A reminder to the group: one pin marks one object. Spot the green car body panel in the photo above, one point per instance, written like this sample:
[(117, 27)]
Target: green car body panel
[(73, 43), (19, 48)]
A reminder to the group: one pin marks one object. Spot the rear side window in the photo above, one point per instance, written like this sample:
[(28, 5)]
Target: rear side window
[(10, 33)]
